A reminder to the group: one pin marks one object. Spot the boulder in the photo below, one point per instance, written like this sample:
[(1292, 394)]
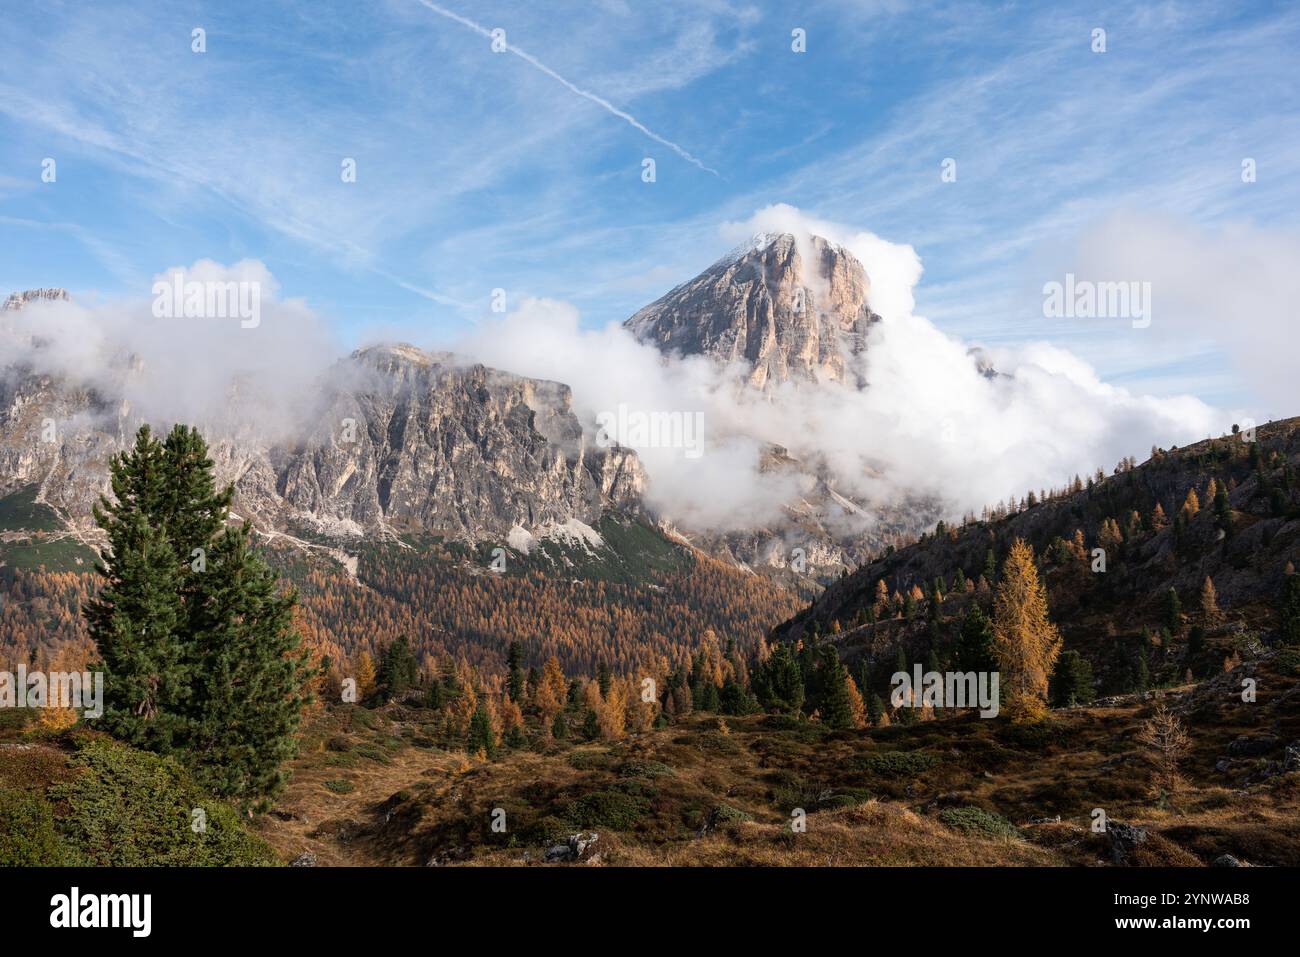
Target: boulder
[(1253, 745), (1124, 839), (576, 847)]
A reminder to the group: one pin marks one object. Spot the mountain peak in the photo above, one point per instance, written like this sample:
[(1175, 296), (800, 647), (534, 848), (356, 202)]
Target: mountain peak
[(790, 307), (19, 299)]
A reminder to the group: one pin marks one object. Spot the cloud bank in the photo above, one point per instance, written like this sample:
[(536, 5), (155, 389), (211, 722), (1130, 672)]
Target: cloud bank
[(210, 371), (929, 422)]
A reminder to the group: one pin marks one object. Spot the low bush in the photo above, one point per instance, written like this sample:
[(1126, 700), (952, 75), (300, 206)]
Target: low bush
[(976, 820)]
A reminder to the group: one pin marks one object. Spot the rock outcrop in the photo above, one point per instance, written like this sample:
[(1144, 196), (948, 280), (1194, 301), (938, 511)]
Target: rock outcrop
[(401, 441)]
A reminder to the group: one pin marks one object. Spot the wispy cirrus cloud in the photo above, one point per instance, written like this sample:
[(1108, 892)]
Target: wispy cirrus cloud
[(569, 85)]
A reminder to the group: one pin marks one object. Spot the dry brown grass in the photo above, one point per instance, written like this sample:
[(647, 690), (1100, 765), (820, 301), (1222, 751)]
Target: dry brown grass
[(870, 800)]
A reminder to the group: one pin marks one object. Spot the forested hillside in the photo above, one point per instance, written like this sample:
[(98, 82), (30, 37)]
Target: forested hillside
[(1125, 559)]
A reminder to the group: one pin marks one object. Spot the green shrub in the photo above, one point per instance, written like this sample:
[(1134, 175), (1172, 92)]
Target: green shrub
[(590, 760), (784, 722), (715, 742), (791, 790), (612, 809), (363, 716), (340, 786), (896, 764), (27, 834), (130, 808), (547, 830), (725, 814), (848, 797), (373, 752), (1287, 661), (645, 769), (976, 820)]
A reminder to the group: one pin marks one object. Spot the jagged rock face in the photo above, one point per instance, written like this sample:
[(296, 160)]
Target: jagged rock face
[(424, 443), (19, 299), (57, 436), (790, 310), (410, 441)]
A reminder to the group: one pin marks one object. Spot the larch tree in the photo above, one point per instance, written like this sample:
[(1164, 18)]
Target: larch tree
[(364, 673), (1025, 640), (857, 706), (1165, 735), (549, 695), (1210, 603)]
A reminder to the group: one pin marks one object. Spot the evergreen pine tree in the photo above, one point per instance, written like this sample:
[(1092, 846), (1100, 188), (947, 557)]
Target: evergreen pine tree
[(137, 617), (875, 709), (1072, 680), (253, 673), (481, 736), (1223, 508), (836, 707), (591, 725), (1173, 612), (197, 642), (736, 699), (778, 682), (134, 622), (975, 643), (514, 671), (398, 669)]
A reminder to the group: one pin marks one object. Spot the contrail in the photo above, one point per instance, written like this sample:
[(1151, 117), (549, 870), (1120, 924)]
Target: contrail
[(585, 94)]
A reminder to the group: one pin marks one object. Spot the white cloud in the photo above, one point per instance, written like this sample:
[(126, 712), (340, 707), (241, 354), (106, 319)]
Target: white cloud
[(1236, 286), (929, 422), (208, 371)]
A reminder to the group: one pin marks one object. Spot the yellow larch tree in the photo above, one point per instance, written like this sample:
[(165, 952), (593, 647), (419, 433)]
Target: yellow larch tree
[(1025, 640)]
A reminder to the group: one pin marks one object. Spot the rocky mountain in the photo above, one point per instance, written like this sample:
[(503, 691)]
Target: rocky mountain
[(788, 308), (400, 441)]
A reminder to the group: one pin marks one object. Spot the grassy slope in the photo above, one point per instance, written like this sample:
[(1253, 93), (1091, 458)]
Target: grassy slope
[(36, 537), (871, 799), (82, 799)]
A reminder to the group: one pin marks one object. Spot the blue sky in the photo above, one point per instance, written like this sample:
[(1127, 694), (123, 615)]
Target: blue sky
[(480, 170)]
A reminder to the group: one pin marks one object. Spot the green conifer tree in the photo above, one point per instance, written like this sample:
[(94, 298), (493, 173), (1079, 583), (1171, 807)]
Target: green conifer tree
[(251, 684), (135, 621), (836, 709), (514, 671), (481, 737), (975, 643)]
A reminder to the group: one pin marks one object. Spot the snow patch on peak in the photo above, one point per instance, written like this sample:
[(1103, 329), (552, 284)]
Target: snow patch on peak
[(755, 244)]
